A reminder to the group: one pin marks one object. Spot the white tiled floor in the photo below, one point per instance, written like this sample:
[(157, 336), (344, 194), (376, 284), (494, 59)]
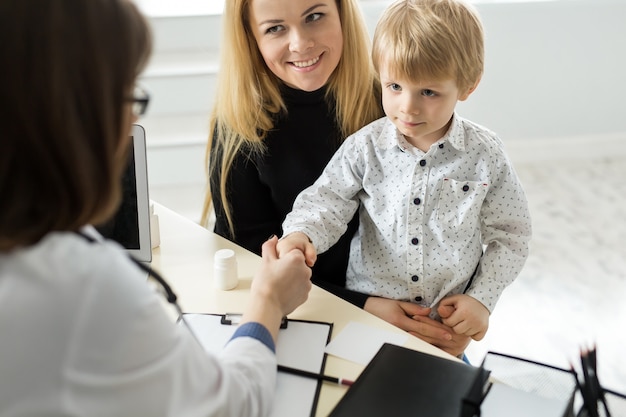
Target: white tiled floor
[(572, 291)]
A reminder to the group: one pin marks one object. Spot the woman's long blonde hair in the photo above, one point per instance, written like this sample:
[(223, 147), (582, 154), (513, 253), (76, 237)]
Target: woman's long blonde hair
[(248, 93)]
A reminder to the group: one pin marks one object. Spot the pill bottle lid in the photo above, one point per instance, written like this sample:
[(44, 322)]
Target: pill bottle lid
[(224, 254)]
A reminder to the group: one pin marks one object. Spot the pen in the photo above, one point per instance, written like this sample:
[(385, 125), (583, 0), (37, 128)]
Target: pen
[(307, 374)]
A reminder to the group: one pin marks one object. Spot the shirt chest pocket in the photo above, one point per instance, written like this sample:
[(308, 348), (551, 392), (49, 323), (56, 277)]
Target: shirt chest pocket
[(460, 203)]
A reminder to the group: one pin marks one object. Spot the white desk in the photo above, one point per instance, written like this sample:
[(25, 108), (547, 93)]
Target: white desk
[(185, 258)]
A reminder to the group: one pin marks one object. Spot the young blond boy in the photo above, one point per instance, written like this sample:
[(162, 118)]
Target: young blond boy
[(444, 221)]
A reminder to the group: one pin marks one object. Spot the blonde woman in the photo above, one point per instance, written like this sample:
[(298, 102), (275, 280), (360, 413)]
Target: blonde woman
[(295, 80)]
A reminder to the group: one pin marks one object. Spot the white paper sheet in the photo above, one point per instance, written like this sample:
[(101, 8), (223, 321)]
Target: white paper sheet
[(502, 400), (359, 343)]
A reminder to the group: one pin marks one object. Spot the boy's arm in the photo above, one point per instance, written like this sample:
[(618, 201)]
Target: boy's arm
[(506, 230), (323, 210)]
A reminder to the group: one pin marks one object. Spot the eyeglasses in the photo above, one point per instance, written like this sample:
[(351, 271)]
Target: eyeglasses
[(140, 100)]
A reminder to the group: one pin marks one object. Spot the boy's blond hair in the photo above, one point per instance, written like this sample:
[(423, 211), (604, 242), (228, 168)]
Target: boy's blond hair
[(430, 40)]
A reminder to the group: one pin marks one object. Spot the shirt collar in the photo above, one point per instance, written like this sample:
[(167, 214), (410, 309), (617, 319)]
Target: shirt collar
[(455, 136)]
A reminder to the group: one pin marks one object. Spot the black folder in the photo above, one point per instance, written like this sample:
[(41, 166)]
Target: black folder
[(404, 382)]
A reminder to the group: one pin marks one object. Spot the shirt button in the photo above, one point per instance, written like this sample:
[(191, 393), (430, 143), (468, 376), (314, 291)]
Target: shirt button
[(415, 241), (418, 298), (441, 146), (466, 187), (417, 201), (415, 278), (423, 162)]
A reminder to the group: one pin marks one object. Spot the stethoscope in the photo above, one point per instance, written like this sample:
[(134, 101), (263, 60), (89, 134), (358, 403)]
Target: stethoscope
[(167, 292)]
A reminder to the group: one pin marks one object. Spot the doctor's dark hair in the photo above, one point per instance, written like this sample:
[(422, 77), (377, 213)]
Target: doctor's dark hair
[(69, 67)]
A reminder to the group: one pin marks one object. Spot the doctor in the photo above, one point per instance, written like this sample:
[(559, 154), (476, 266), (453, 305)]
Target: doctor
[(82, 333)]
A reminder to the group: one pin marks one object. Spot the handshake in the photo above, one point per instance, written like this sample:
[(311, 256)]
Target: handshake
[(301, 242)]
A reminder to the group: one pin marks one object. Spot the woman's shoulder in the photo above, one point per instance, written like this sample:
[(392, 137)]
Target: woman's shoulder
[(72, 264), (112, 299), (78, 284)]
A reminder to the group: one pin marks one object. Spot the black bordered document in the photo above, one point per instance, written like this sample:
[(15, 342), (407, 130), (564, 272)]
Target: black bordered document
[(402, 382), (300, 345)]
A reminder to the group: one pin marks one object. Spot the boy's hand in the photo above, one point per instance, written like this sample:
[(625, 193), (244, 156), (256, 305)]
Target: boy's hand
[(299, 241), (465, 315), (414, 319)]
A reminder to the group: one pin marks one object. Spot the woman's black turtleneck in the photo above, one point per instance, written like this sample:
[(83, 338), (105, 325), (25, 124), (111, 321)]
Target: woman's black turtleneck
[(262, 188)]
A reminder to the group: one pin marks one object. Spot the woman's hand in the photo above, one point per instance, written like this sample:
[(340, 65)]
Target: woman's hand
[(430, 330), (414, 319)]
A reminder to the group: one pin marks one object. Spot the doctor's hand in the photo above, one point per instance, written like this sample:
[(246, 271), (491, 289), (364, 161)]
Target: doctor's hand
[(278, 287), (299, 241)]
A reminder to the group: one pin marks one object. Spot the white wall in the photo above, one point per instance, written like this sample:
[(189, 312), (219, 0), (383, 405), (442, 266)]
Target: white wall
[(554, 75), (553, 68)]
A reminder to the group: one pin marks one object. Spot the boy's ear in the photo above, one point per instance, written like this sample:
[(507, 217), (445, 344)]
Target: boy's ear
[(464, 95)]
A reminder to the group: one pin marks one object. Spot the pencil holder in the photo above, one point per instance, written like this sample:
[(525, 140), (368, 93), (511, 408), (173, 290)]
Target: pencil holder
[(610, 404), (225, 275), (597, 401)]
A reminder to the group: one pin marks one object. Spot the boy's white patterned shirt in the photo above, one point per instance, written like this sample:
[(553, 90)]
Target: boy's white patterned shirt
[(452, 220)]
